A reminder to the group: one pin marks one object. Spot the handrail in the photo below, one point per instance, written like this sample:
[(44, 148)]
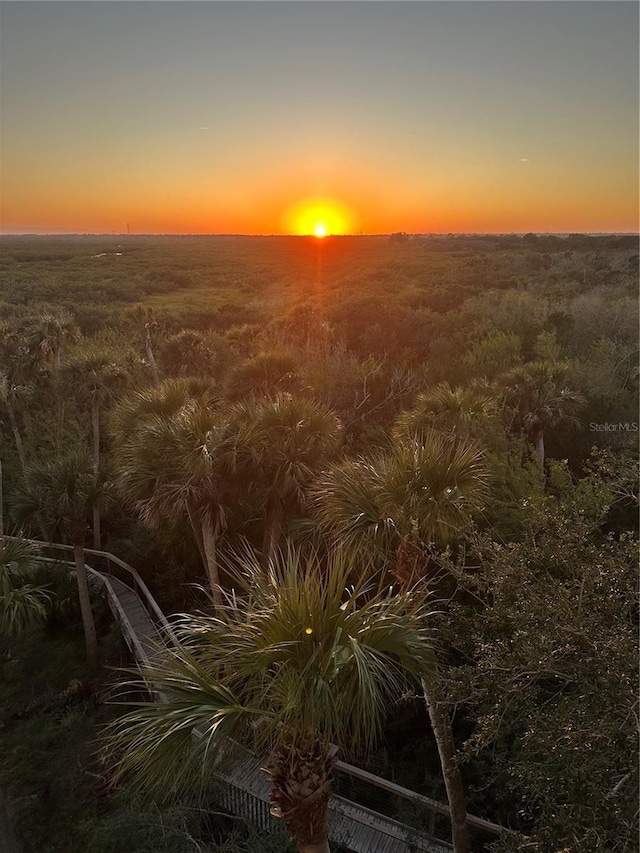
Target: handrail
[(124, 620), (153, 604), (339, 766), (413, 796), (337, 799), (115, 601)]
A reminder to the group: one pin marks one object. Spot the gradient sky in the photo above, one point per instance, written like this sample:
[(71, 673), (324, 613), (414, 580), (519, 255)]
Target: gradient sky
[(210, 117)]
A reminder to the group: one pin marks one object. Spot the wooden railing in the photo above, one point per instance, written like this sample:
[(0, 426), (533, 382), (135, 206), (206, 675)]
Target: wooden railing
[(114, 566), (250, 794)]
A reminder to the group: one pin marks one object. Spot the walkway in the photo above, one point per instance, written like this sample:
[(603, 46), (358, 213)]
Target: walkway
[(244, 789)]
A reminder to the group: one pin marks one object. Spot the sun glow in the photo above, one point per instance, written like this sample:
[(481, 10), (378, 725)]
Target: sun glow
[(319, 217)]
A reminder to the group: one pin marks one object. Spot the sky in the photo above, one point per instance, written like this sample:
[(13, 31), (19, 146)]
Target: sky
[(285, 117)]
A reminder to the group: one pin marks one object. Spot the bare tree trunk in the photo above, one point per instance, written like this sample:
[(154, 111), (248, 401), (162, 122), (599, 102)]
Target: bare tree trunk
[(88, 623), (16, 433), (441, 725), (60, 421), (95, 419), (150, 357), (539, 441), (271, 539), (1, 504), (300, 769), (197, 535), (60, 415), (209, 536)]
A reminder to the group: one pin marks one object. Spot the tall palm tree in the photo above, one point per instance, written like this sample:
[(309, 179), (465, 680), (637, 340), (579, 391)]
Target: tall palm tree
[(169, 469), (62, 494), (298, 667), (277, 446), (389, 506), (540, 394), (47, 334), (11, 395), (94, 377)]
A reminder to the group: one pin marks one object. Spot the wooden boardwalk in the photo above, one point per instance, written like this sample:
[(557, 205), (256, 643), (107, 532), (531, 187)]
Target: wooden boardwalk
[(243, 788)]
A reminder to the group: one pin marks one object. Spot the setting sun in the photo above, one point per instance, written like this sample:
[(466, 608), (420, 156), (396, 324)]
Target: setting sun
[(319, 217)]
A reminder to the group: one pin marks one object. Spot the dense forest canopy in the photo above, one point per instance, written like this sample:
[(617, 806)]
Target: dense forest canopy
[(459, 411)]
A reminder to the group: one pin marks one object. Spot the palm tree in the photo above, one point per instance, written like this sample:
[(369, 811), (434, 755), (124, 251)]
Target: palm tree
[(21, 603), (48, 335), (62, 494), (422, 489), (163, 401), (167, 471), (298, 667), (393, 503), (142, 316), (447, 408), (95, 377), (11, 394), (542, 399), (277, 446), (264, 374)]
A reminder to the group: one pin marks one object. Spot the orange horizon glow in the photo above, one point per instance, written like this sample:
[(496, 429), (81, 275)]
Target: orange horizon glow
[(312, 134)]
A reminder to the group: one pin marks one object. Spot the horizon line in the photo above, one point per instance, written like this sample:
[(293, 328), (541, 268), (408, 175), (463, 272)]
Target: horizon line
[(306, 236)]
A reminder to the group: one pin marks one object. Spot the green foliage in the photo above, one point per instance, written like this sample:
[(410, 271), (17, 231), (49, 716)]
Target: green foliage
[(60, 794), (549, 672), (422, 489), (450, 409), (383, 333), (61, 494), (22, 602), (308, 654), (264, 374)]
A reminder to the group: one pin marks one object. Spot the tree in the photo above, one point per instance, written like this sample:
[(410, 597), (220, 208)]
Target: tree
[(142, 317), (277, 446), (49, 333), (62, 494), (547, 664), (299, 666), (263, 374), (95, 377), (10, 394), (423, 490), (542, 399), (395, 503), (169, 468), (21, 603), (164, 401), (192, 353), (447, 408)]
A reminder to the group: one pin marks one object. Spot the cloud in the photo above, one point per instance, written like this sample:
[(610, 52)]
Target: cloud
[(203, 128), (524, 160)]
